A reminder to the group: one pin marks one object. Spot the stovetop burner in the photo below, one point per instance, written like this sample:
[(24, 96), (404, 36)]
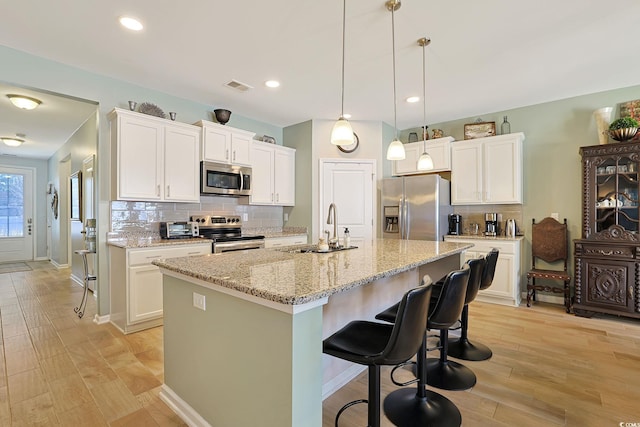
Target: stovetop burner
[(222, 228)]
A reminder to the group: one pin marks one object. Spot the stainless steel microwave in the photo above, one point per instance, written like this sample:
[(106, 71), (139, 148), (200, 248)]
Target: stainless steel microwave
[(224, 180)]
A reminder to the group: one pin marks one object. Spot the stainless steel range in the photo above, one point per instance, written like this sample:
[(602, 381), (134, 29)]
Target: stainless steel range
[(226, 233)]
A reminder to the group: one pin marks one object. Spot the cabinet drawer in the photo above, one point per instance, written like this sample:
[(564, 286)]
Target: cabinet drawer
[(608, 251), (484, 246), (146, 256)]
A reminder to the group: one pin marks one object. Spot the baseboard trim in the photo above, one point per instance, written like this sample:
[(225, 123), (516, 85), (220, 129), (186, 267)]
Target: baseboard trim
[(101, 320), (59, 266), (339, 381), (182, 408)]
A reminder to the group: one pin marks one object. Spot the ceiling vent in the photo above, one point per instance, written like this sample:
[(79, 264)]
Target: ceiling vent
[(242, 87)]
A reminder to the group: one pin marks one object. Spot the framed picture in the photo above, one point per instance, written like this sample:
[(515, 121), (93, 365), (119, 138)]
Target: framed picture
[(479, 130), (75, 195), (630, 109)]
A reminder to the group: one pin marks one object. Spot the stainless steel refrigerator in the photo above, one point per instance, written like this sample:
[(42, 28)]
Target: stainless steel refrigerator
[(415, 207)]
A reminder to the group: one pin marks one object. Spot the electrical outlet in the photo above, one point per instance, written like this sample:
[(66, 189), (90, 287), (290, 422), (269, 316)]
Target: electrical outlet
[(286, 216), (555, 216), (199, 301), (245, 217)]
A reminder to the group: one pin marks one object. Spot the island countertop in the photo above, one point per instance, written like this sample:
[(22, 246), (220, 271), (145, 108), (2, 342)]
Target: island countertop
[(299, 278)]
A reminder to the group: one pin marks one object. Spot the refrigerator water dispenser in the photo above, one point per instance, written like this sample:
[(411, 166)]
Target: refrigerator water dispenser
[(391, 215)]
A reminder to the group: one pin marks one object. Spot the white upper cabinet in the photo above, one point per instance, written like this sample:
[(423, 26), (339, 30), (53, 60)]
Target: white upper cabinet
[(155, 159), (487, 170), (439, 149), (224, 144), (273, 169)]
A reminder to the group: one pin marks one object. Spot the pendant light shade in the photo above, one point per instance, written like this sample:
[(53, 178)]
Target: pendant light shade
[(342, 133), (396, 148), (425, 162)]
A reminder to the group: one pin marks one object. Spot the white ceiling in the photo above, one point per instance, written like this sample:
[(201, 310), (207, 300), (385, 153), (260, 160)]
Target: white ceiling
[(484, 57)]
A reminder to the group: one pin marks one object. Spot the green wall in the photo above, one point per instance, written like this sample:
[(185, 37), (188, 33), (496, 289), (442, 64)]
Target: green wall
[(23, 69), (554, 132), (300, 137)]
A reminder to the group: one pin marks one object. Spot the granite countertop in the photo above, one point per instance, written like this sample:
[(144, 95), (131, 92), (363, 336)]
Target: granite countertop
[(135, 240), (298, 278), (275, 231), (481, 237)]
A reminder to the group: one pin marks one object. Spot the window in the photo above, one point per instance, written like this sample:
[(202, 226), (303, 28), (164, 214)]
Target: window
[(11, 205)]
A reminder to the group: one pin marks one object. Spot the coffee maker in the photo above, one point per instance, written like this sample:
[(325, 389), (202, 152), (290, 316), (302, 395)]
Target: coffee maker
[(455, 224), (491, 224)]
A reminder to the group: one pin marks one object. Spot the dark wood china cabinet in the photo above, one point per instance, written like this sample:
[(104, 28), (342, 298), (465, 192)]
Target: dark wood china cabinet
[(607, 257)]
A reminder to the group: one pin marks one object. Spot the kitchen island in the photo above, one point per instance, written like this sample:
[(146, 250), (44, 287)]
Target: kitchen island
[(253, 355)]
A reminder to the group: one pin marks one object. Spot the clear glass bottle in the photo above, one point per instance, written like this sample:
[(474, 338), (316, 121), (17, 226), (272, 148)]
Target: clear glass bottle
[(505, 128)]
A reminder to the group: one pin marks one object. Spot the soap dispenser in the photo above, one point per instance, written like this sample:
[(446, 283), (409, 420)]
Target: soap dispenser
[(347, 238)]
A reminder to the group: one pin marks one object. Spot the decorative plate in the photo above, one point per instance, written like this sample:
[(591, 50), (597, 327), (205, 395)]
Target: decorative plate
[(152, 110)]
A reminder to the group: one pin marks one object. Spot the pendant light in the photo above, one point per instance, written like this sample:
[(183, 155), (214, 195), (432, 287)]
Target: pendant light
[(425, 162), (396, 149), (342, 133)]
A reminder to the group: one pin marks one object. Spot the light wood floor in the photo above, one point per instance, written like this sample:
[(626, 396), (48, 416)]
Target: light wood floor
[(548, 368)]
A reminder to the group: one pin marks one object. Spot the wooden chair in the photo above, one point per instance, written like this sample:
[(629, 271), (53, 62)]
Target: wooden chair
[(549, 242)]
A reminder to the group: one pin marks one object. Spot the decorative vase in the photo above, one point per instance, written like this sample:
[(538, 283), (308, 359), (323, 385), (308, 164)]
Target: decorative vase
[(603, 120), (505, 128), (222, 116)]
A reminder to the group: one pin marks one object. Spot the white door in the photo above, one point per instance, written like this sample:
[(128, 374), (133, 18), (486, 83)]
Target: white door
[(348, 184), (16, 214)]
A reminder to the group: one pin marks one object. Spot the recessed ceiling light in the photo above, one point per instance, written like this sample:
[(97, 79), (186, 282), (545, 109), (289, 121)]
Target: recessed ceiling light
[(24, 102), (131, 23), (12, 142), (346, 115), (413, 99), (272, 83)]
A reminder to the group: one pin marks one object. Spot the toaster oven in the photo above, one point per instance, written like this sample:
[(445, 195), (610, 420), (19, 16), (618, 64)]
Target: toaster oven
[(179, 230)]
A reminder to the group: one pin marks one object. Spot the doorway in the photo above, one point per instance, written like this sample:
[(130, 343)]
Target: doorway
[(16, 213), (350, 185)]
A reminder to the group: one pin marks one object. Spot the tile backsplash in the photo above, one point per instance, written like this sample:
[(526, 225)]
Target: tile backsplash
[(475, 214), (146, 216)]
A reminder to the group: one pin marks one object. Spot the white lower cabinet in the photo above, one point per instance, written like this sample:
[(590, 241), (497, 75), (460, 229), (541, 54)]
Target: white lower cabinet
[(276, 242), (505, 288), (136, 284)]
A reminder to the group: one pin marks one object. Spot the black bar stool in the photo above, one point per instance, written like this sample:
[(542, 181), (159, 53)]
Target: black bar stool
[(422, 407), (463, 348), (444, 373), (375, 344), (87, 277)]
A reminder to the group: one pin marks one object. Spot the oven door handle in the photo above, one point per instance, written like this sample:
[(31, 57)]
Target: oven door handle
[(219, 247)]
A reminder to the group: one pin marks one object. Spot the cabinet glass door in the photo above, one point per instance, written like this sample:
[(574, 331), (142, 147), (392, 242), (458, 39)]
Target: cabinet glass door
[(617, 194)]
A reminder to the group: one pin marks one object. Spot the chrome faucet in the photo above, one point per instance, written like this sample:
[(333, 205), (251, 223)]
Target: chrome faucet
[(333, 242)]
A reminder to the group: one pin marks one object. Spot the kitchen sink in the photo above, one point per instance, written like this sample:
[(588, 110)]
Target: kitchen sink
[(314, 249)]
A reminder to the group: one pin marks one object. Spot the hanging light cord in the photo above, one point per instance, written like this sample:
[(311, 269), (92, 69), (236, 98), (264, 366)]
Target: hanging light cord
[(424, 97), (344, 18), (393, 50)]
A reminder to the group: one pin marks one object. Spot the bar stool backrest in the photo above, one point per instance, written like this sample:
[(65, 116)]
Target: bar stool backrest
[(476, 267), (449, 306), (489, 268), (409, 328)]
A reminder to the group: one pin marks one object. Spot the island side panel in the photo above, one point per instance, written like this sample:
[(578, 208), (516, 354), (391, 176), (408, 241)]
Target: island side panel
[(240, 363)]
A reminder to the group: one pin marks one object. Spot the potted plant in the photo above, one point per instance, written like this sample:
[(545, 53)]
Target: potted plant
[(623, 129)]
